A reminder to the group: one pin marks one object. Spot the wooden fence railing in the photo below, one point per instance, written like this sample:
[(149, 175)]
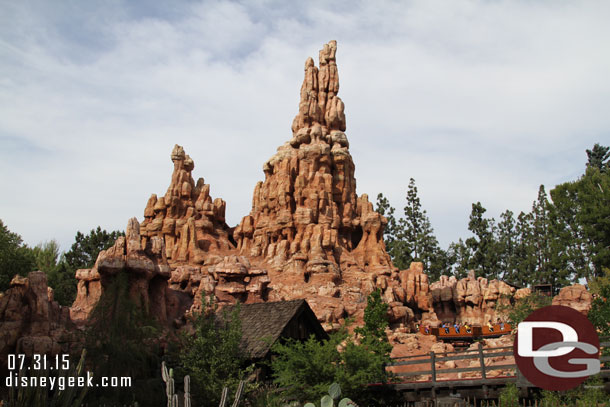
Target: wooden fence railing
[(479, 354)]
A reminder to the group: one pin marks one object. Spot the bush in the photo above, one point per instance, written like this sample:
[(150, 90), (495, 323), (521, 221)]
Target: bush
[(521, 309), (509, 397), (212, 355), (15, 257), (307, 369)]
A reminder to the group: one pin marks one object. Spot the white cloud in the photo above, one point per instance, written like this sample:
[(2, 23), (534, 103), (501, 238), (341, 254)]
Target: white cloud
[(478, 101)]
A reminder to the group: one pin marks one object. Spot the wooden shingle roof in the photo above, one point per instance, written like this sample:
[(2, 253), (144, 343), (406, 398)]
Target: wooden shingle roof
[(264, 323)]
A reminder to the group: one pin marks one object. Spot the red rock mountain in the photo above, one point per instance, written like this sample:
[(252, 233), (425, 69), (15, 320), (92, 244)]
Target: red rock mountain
[(308, 235)]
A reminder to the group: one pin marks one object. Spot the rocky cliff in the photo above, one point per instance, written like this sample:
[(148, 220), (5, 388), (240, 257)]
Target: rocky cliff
[(32, 322)]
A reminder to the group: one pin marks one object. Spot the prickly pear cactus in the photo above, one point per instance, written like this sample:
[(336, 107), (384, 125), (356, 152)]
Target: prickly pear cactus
[(327, 401), (346, 403), (334, 391)]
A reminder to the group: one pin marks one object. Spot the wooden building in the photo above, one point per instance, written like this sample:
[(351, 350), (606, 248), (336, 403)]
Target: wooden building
[(263, 324)]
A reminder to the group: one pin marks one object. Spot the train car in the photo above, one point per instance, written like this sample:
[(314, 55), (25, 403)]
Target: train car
[(462, 334)]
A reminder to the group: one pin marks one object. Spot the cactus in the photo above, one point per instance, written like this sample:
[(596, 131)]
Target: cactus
[(346, 403), (327, 401), (173, 400), (170, 387), (334, 392), (237, 398), (187, 391)]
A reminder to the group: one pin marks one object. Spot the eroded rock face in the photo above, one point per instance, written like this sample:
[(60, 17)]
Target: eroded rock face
[(318, 239), (306, 217), (472, 300), (575, 296), (145, 263), (190, 223), (31, 322)]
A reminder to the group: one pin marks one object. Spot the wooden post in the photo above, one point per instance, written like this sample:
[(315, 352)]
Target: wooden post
[(433, 365), (482, 361)]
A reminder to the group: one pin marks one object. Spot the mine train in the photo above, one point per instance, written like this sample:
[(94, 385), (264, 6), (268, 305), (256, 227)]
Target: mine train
[(449, 333)]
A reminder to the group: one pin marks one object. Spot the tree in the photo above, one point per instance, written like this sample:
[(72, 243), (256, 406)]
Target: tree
[(483, 244), (583, 207), (59, 276), (63, 281), (85, 249), (459, 255), (600, 308), (307, 369), (552, 262), (525, 258), (523, 307), (83, 253), (507, 246), (46, 255), (420, 236), (375, 318), (411, 238), (212, 355), (15, 257), (393, 235), (598, 157)]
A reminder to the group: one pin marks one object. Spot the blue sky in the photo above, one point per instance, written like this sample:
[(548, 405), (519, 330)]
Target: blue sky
[(476, 100)]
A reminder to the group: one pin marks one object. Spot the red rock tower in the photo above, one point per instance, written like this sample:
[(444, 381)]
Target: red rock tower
[(306, 218)]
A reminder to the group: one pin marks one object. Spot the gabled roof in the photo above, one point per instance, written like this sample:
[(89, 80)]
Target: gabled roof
[(263, 323)]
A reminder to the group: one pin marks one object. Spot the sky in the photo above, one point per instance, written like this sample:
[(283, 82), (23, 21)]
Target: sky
[(476, 100)]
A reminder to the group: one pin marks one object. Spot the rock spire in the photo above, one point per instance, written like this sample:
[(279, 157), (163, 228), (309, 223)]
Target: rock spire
[(306, 216)]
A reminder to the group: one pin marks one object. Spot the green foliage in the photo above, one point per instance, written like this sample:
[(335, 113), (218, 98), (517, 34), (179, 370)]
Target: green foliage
[(85, 249), (584, 208), (509, 397), (459, 255), (411, 238), (557, 242), (212, 356), (61, 269), (375, 317), (600, 307), (328, 400), (482, 245), (59, 276), (550, 399), (393, 235), (266, 395), (46, 255), (15, 257), (63, 281), (522, 307), (590, 393), (598, 157), (121, 339), (307, 369)]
